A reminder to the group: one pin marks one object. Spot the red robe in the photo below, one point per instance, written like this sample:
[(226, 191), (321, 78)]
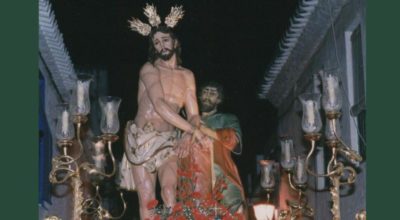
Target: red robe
[(222, 155)]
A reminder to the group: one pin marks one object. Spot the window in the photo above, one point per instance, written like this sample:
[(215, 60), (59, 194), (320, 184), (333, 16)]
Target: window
[(358, 110), (356, 84)]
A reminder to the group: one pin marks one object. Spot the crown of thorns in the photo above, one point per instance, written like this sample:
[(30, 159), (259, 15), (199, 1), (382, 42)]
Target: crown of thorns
[(150, 11)]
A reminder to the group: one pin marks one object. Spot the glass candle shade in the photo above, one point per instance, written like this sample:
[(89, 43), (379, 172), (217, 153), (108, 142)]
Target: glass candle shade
[(109, 123), (267, 174), (300, 174), (80, 102), (287, 154), (332, 97), (98, 146), (64, 126), (311, 120), (99, 161), (332, 130)]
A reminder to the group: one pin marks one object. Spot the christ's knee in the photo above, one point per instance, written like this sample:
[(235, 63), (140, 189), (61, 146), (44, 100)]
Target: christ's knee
[(168, 194)]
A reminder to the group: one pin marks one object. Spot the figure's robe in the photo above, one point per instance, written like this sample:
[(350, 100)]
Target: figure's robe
[(229, 134)]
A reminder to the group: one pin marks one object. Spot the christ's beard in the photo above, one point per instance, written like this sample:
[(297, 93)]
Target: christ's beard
[(166, 56)]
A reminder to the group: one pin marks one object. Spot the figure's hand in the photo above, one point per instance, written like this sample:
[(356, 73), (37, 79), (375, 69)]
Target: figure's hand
[(198, 139), (206, 141), (209, 132), (197, 136), (195, 139)]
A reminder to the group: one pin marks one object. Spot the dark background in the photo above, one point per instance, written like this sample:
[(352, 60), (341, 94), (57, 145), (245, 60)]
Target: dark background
[(231, 42)]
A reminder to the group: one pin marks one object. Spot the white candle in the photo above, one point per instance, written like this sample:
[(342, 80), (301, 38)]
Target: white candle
[(64, 122), (310, 112), (109, 114), (287, 151), (300, 170), (98, 161), (267, 175), (99, 147), (80, 95), (331, 83)]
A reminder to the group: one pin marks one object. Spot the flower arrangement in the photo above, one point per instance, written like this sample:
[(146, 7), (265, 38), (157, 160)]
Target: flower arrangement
[(193, 205)]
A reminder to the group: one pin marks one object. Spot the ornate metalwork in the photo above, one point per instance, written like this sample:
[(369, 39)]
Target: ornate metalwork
[(92, 207), (298, 208), (362, 215), (335, 170), (65, 168), (52, 217)]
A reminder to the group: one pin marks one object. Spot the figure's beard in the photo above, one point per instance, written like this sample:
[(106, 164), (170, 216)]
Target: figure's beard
[(207, 106), (165, 56)]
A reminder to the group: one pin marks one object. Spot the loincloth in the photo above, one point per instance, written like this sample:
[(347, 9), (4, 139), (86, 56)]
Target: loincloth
[(144, 147)]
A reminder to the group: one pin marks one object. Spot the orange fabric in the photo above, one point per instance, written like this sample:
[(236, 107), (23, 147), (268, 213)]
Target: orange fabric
[(195, 161), (222, 155), (200, 158)]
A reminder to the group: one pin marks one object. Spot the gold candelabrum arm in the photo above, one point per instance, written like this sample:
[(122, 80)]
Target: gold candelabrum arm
[(66, 166), (298, 208), (93, 207), (349, 153), (92, 169), (78, 135), (63, 166), (337, 145), (342, 147), (313, 138)]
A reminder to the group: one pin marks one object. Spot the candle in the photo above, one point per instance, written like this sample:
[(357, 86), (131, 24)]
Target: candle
[(266, 172), (310, 112), (300, 170), (267, 175), (80, 95), (98, 161), (109, 114), (99, 147), (64, 122), (331, 84), (287, 150)]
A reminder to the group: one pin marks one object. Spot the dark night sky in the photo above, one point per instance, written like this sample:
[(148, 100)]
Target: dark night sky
[(228, 41)]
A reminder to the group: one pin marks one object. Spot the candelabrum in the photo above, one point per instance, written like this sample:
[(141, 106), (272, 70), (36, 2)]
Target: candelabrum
[(297, 177), (67, 168), (311, 125)]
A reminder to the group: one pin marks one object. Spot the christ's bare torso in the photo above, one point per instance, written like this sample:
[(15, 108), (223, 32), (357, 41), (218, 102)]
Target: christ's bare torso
[(174, 87)]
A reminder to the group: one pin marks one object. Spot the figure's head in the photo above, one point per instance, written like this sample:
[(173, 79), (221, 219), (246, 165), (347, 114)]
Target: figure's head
[(211, 95), (163, 44)]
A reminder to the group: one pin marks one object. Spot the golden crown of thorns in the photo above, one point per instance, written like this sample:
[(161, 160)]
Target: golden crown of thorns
[(150, 11)]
